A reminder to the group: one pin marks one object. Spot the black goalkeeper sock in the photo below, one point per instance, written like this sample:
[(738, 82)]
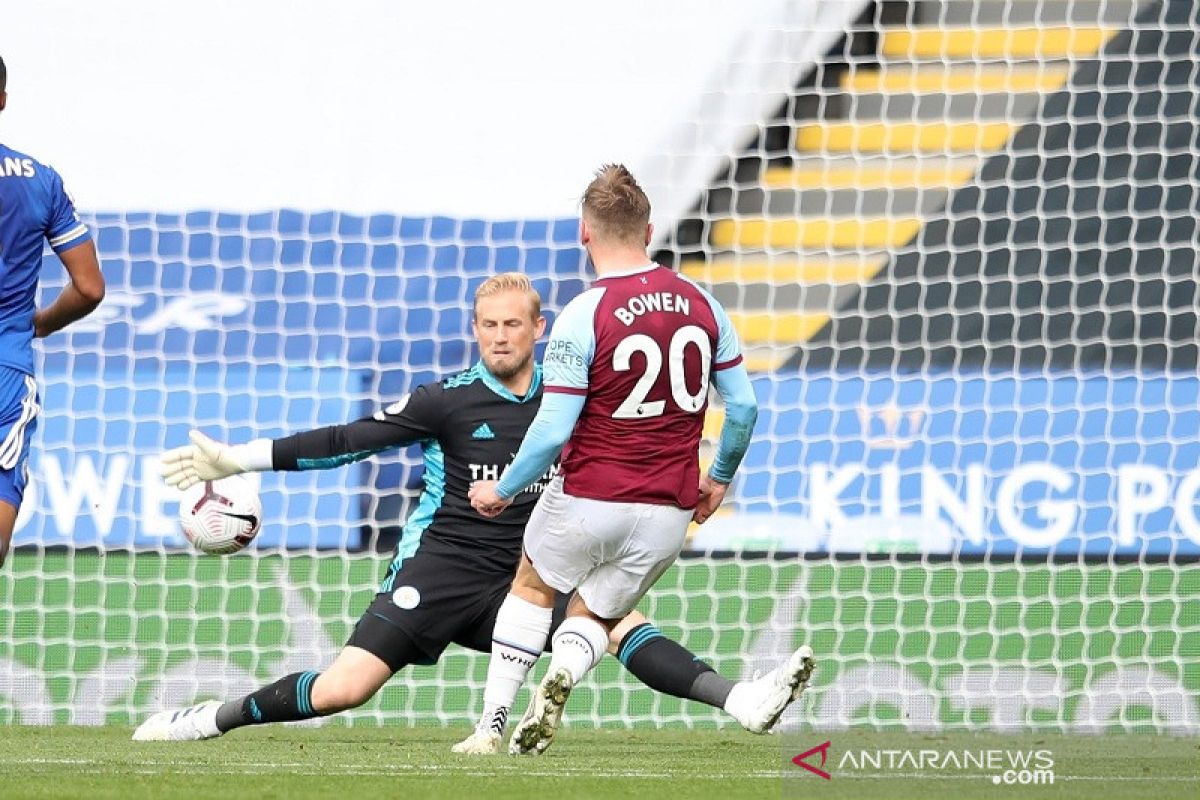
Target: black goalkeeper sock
[(286, 700), (667, 666)]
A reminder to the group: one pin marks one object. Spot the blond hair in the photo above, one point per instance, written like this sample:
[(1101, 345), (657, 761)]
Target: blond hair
[(510, 282), (615, 206)]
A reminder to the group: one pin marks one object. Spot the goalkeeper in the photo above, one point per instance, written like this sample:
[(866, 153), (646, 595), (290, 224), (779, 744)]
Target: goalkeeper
[(453, 568)]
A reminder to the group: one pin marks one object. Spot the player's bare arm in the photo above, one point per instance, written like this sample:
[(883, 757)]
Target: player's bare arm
[(79, 297), (741, 412)]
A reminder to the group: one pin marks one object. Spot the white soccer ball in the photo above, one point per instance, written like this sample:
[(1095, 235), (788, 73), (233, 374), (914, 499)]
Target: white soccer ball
[(220, 517)]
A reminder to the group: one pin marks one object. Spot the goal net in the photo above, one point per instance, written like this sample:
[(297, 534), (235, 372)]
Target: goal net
[(962, 260)]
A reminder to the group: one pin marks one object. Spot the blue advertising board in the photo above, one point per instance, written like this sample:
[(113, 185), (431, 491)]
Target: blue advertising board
[(969, 464), (262, 324), (94, 471)]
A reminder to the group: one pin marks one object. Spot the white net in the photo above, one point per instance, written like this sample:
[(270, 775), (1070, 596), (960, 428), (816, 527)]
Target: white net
[(963, 263)]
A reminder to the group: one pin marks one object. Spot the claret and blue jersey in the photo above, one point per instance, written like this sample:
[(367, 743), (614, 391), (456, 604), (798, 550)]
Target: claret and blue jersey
[(628, 368)]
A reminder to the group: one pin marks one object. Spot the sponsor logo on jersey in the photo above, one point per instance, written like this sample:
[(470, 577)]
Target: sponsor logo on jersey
[(542, 483), (560, 351), (484, 431), (492, 472)]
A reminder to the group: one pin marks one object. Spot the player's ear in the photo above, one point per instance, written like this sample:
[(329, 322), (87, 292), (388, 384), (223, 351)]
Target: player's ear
[(585, 232), (539, 327), (3, 100), (649, 233)]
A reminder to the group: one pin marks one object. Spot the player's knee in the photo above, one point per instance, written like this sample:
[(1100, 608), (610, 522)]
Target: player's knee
[(529, 586), (618, 632), (535, 595), (332, 694)]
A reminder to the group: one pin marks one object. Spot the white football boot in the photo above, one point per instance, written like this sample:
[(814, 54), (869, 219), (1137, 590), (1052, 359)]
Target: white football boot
[(479, 743), (536, 730), (185, 724), (758, 704)]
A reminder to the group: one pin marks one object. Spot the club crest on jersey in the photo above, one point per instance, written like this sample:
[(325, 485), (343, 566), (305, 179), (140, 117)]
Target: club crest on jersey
[(484, 431), (406, 597)]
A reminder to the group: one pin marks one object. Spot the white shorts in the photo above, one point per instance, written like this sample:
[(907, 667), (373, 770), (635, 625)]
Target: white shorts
[(611, 553)]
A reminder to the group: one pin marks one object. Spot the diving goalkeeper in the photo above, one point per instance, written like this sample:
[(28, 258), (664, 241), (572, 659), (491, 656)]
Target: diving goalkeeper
[(453, 568)]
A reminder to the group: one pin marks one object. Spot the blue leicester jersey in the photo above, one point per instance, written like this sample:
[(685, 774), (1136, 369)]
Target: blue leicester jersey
[(33, 207)]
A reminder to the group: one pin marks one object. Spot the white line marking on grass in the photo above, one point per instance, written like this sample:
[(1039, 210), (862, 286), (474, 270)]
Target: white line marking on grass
[(416, 773), (496, 767), (503, 766)]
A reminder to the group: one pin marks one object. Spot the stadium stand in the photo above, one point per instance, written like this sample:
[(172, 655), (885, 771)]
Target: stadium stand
[(915, 100)]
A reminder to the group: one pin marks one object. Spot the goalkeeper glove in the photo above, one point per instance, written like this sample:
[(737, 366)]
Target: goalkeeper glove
[(208, 460)]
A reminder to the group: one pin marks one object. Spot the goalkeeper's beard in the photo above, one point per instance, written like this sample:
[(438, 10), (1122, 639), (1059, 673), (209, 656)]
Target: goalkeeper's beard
[(505, 371)]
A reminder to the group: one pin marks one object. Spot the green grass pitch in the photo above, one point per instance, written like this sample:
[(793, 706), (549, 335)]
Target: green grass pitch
[(366, 762)]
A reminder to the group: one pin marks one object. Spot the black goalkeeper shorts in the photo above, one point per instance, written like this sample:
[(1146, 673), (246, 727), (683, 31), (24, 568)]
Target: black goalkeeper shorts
[(432, 601)]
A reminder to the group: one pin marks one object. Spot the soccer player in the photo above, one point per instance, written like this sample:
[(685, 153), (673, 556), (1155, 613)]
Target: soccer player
[(33, 207), (452, 568), (628, 367)]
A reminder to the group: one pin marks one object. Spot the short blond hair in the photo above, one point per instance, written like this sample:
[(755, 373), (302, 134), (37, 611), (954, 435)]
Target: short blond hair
[(615, 206), (510, 282)]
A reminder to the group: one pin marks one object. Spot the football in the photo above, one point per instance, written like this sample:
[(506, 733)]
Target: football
[(220, 517)]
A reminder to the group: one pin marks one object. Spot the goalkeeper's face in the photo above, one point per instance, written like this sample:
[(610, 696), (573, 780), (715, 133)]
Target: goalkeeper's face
[(506, 328)]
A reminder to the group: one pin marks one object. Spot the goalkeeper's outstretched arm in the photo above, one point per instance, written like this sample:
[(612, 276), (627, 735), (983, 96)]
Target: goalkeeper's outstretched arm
[(412, 419)]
